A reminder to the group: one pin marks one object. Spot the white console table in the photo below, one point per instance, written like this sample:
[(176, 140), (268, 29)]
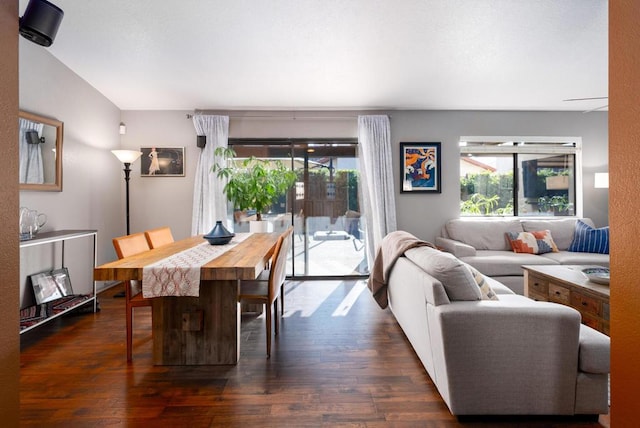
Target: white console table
[(61, 236)]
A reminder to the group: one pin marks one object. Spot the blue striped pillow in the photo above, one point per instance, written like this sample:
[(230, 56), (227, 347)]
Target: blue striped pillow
[(587, 239)]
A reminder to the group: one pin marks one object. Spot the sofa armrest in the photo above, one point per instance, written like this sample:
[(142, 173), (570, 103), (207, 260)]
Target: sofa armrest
[(595, 351), (457, 248), (516, 349)]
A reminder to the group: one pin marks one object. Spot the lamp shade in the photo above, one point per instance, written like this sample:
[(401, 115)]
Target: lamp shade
[(127, 156), (601, 180)]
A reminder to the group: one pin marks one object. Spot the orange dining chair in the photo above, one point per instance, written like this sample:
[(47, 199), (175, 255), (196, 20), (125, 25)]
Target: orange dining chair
[(286, 234), (269, 285), (159, 237), (126, 246)]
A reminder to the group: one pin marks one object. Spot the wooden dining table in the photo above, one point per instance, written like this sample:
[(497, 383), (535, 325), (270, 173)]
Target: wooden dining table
[(204, 329)]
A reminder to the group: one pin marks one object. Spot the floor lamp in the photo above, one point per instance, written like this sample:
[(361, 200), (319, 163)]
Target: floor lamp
[(127, 157)]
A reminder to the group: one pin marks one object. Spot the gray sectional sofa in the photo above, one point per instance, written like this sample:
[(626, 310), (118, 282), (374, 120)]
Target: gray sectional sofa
[(510, 356), (482, 243)]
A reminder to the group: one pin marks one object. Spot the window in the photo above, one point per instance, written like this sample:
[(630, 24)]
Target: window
[(520, 176)]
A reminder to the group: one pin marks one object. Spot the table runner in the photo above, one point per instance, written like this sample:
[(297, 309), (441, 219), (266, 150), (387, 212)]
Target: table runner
[(179, 274)]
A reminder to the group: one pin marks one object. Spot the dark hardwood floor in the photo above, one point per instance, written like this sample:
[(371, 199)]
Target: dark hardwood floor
[(339, 361)]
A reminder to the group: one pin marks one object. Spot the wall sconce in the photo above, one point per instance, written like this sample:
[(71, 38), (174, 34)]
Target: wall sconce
[(601, 180), (123, 128)]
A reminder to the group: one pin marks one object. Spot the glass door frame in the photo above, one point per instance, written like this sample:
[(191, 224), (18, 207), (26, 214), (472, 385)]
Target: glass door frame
[(264, 148)]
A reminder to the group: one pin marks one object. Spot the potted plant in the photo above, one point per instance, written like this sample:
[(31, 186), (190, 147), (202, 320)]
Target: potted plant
[(252, 183)]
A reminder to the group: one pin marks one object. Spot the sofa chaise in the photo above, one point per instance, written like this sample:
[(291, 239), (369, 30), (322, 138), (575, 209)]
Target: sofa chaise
[(482, 243), (507, 356)]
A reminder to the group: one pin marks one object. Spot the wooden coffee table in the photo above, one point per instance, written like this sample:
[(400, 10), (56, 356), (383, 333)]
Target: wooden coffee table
[(567, 285)]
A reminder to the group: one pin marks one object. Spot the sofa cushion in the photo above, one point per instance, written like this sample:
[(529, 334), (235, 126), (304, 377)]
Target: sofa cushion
[(450, 271), (561, 229), (587, 239), (504, 263), (536, 242), (570, 258), (486, 291), (483, 234)]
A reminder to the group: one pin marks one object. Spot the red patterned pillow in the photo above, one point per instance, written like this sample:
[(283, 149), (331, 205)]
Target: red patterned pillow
[(538, 242)]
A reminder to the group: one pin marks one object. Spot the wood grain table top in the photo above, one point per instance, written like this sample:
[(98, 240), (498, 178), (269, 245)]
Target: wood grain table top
[(244, 261)]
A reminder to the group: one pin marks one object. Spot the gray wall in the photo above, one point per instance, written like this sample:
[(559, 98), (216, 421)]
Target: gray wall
[(425, 214), (93, 185), (93, 182), (166, 200), (159, 201)]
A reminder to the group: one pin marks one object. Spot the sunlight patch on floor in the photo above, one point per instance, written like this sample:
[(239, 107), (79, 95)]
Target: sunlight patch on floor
[(345, 306), (304, 301)]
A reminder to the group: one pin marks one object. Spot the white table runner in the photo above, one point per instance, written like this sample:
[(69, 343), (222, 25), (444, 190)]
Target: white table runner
[(179, 274)]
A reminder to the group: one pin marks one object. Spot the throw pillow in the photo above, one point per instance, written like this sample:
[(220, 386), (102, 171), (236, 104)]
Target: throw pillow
[(449, 270), (587, 239), (485, 289), (536, 242)]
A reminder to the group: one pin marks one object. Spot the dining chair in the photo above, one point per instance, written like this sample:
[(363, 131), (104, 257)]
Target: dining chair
[(269, 285), (159, 236), (126, 246)]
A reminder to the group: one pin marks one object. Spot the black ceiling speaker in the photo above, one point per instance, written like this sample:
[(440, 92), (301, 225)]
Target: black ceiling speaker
[(201, 141), (40, 22)]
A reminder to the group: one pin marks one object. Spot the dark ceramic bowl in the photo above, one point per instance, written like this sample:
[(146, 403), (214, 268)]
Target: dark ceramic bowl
[(218, 240)]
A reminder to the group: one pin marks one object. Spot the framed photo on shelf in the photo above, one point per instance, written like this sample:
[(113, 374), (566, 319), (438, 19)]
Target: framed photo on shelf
[(62, 280), (420, 167), (162, 162), (52, 285)]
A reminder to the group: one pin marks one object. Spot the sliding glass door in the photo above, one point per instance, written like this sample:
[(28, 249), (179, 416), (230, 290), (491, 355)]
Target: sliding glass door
[(322, 206)]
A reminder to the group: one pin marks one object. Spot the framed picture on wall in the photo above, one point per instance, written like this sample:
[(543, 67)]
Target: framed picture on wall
[(162, 162), (420, 167)]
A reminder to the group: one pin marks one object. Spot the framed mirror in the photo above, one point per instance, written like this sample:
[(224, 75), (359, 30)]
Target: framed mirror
[(40, 142)]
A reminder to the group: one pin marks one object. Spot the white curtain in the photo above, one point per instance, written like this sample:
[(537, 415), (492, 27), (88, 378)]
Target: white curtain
[(378, 197), (31, 169), (209, 202)]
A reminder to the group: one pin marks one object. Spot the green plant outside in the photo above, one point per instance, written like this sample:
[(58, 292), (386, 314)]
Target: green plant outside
[(474, 189), (252, 183), (351, 179), (557, 203)]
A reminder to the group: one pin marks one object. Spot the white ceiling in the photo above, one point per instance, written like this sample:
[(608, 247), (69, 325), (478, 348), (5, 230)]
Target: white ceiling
[(338, 54)]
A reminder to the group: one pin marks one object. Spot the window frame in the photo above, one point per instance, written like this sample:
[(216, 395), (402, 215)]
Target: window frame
[(528, 145)]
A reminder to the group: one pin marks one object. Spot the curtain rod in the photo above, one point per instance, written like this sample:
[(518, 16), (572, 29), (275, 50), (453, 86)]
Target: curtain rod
[(271, 116)]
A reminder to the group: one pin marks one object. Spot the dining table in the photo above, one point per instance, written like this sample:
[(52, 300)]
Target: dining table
[(202, 325)]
